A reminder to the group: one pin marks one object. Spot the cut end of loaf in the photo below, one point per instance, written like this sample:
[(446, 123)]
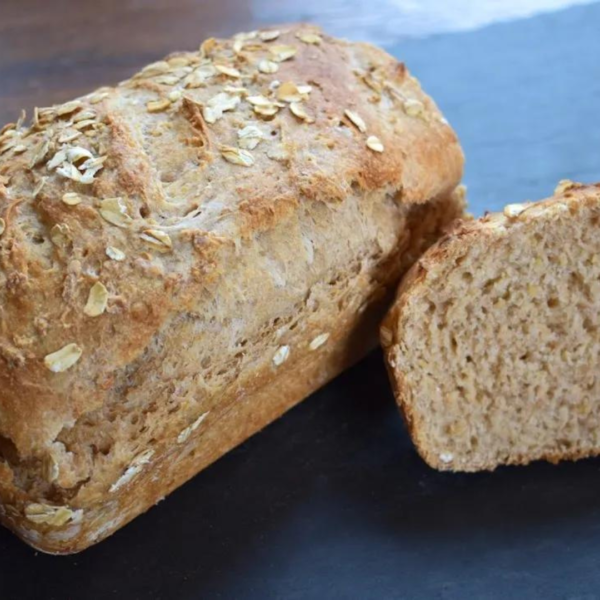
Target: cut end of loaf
[(494, 342)]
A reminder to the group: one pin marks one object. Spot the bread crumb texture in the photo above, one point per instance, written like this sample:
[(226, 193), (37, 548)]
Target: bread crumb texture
[(223, 220), (494, 340)]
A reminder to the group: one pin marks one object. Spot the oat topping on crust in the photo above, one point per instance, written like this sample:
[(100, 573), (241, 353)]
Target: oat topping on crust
[(115, 253), (270, 35), (222, 102), (281, 355), (71, 199), (114, 211), (63, 359), (97, 300), (374, 143), (356, 120), (54, 516), (319, 341), (118, 208)]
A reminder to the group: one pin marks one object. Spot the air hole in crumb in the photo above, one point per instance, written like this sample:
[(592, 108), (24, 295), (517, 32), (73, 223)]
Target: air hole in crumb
[(8, 450), (205, 362), (103, 448), (356, 269), (144, 212), (469, 358), (170, 177), (135, 419), (467, 276), (38, 239), (552, 302), (588, 325), (524, 356), (487, 286)]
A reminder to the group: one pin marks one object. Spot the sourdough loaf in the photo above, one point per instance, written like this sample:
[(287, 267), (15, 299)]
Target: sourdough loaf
[(187, 255), (494, 340)]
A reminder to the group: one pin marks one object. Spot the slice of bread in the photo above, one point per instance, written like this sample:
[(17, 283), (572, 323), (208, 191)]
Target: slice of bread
[(493, 343)]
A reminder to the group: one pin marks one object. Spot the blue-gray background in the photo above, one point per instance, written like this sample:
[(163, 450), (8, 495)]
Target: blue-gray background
[(524, 98)]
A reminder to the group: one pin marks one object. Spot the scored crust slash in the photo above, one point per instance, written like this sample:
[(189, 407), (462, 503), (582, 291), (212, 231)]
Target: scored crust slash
[(187, 255)]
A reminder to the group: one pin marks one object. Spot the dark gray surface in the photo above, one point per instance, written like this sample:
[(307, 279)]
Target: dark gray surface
[(332, 501)]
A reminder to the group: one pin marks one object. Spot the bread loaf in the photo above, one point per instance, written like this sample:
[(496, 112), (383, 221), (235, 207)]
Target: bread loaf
[(494, 340), (187, 255)]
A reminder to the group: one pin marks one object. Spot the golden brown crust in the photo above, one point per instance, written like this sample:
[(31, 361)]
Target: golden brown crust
[(231, 429), (351, 339), (435, 264), (201, 202)]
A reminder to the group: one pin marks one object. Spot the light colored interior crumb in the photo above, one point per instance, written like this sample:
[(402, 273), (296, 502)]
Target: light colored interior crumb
[(500, 355)]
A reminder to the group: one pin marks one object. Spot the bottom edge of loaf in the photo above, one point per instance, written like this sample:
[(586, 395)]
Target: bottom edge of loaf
[(246, 418), (434, 461)]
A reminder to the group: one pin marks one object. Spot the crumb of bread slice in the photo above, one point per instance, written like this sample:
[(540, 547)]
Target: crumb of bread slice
[(493, 344)]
